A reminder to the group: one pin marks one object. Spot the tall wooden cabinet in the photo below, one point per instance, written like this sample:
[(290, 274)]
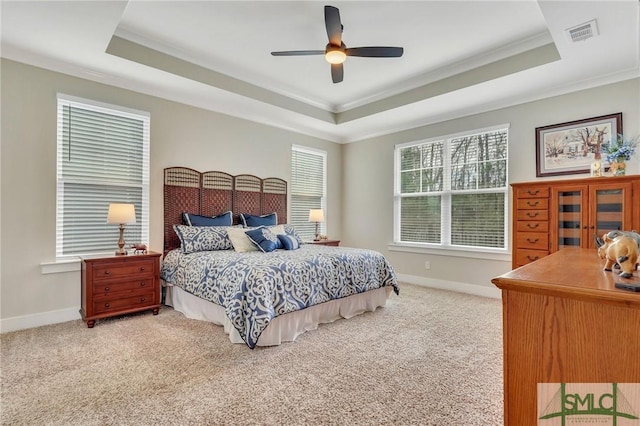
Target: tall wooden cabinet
[(550, 215)]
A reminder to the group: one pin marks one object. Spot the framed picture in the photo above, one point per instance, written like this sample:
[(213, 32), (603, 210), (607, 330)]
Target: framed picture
[(570, 148)]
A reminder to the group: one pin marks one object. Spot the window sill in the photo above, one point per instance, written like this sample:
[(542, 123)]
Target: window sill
[(452, 252), (60, 266)]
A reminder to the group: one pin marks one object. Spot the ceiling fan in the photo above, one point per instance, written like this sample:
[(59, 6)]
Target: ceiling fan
[(336, 52)]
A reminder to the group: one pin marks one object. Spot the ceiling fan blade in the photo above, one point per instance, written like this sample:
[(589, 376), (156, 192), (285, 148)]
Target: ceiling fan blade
[(333, 24), (298, 52), (375, 51), (337, 72)]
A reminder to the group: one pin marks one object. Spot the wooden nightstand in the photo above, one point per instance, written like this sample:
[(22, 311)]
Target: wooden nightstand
[(326, 242), (117, 285)]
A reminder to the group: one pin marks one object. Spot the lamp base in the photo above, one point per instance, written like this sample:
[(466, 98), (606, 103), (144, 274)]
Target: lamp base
[(121, 250)]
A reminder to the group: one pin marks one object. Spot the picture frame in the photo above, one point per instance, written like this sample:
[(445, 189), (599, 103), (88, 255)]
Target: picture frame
[(571, 147)]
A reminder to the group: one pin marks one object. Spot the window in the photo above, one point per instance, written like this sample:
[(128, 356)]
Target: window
[(452, 192), (103, 158), (308, 189)]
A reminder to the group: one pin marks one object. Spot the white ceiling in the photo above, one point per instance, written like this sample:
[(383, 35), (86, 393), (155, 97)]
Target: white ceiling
[(461, 57)]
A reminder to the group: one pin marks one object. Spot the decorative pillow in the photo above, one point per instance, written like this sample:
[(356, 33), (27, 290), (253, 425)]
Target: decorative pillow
[(202, 238), (290, 230), (249, 220), (240, 241), (225, 219), (288, 242), (264, 239), (278, 229)]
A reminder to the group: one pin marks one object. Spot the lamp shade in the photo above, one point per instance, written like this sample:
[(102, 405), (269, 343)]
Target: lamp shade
[(121, 213), (316, 215)]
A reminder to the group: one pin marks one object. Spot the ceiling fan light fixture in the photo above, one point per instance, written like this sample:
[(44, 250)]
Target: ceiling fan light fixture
[(335, 56)]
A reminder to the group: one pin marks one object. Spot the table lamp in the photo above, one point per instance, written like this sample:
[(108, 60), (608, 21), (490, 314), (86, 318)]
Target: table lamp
[(121, 214), (317, 216)]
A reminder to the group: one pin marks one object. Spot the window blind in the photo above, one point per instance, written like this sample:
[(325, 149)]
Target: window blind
[(103, 158), (453, 191), (308, 189)]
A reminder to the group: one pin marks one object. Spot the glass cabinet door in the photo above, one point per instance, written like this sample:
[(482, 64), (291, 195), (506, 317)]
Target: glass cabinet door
[(570, 217), (610, 209)]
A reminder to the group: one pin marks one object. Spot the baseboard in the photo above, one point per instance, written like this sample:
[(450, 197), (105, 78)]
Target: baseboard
[(474, 289), (37, 320)]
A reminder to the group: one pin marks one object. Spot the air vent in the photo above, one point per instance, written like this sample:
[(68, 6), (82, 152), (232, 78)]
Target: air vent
[(582, 31)]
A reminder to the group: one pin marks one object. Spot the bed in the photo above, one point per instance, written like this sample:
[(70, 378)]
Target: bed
[(260, 298)]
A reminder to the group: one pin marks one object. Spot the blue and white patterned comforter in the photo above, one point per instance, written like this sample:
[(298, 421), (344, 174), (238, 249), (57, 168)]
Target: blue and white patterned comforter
[(256, 287)]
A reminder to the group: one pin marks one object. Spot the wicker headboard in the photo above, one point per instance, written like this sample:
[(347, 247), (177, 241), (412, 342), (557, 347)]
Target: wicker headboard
[(213, 193)]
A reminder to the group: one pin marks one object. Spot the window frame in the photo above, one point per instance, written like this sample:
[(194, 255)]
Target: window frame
[(62, 100), (445, 246)]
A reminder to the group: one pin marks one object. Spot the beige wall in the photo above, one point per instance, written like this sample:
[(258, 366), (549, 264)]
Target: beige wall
[(368, 175), (180, 136), (360, 176)]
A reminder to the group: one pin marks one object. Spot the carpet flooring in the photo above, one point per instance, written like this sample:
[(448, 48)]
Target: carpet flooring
[(429, 357)]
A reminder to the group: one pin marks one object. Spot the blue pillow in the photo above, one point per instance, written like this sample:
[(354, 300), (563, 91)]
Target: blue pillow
[(289, 242), (264, 239), (202, 238), (225, 219), (264, 220)]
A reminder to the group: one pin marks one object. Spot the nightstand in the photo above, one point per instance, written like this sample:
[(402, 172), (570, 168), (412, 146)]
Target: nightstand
[(326, 242), (118, 285)]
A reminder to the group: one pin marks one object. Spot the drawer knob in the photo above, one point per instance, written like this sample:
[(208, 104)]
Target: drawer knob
[(532, 214), (107, 289), (107, 272), (142, 284), (530, 204), (142, 299), (142, 269), (106, 305), (530, 192), (534, 226), (534, 241), (533, 258)]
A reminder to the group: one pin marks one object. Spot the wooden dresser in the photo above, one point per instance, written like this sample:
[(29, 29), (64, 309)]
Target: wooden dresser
[(565, 322), (550, 215), (118, 285)]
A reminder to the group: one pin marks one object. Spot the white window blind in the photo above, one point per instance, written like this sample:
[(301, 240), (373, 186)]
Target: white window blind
[(452, 192), (103, 158), (308, 189)]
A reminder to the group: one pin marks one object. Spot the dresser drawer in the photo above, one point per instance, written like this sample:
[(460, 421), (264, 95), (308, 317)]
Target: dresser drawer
[(532, 226), (140, 300), (533, 204), (128, 286), (524, 257), (532, 193), (533, 241), (532, 215), (143, 268)]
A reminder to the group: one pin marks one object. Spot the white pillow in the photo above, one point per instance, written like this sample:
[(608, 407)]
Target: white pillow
[(240, 240), (278, 229)]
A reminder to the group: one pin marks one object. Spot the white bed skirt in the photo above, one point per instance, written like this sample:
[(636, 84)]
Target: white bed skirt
[(284, 328)]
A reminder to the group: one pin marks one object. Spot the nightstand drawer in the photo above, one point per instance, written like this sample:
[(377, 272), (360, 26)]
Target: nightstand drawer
[(102, 305), (137, 284), (143, 268)]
